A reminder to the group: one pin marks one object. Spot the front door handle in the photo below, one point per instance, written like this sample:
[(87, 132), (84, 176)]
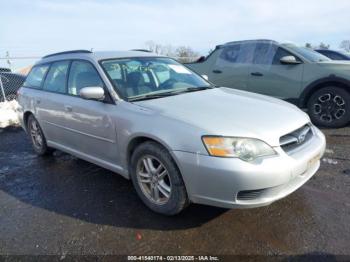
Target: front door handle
[(216, 71), (68, 108), (256, 74)]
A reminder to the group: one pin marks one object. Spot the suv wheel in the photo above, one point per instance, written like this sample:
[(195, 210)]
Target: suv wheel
[(330, 107), (37, 137), (157, 179)]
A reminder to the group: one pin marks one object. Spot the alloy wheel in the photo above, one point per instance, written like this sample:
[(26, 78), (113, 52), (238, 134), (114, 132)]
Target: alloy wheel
[(154, 179), (329, 107), (36, 134)]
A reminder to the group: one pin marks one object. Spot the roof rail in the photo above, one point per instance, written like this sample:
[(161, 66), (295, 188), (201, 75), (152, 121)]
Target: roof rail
[(68, 52), (141, 50), (252, 40)]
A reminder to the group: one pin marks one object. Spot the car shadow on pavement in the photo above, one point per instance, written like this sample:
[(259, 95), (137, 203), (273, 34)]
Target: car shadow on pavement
[(75, 188)]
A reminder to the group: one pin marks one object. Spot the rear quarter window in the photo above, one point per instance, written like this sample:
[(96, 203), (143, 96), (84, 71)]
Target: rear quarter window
[(36, 76)]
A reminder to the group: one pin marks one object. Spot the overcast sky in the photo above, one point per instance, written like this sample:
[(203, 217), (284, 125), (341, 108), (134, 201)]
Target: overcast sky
[(38, 27)]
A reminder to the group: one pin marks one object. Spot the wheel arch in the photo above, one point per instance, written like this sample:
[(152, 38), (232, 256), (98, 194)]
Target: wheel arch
[(25, 119), (332, 80), (137, 140), (140, 139)]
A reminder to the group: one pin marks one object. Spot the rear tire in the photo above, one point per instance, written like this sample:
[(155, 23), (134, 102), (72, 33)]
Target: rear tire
[(157, 180), (37, 137), (330, 107)]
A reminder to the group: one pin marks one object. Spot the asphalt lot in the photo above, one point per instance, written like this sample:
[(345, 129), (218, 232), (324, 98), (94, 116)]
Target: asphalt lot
[(63, 205)]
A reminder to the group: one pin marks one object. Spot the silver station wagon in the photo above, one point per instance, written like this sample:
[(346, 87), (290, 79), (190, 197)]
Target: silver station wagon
[(175, 135)]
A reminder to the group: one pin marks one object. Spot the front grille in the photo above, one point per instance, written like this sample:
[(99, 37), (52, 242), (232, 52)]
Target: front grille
[(297, 138), (249, 194)]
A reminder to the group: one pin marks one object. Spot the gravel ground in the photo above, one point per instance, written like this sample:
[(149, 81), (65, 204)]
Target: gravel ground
[(61, 205)]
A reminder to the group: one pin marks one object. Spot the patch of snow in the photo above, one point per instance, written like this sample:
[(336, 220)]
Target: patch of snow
[(329, 151), (330, 161), (8, 113)]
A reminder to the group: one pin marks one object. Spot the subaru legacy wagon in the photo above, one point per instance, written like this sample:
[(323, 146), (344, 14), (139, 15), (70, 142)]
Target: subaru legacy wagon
[(176, 136)]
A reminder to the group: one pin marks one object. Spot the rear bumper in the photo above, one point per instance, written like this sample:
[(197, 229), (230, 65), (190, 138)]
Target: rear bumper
[(229, 182)]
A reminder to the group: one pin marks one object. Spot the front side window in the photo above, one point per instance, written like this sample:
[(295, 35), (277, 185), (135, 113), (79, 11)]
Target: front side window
[(36, 76), (135, 77), (56, 77), (83, 74), (281, 52)]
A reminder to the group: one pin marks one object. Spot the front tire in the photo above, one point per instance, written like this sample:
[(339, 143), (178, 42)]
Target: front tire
[(37, 137), (330, 107), (157, 180)]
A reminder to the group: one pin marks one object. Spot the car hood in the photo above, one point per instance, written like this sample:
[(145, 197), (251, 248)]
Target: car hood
[(230, 112), (335, 64)]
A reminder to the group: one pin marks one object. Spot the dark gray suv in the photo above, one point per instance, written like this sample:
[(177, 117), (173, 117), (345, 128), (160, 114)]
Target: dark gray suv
[(296, 74)]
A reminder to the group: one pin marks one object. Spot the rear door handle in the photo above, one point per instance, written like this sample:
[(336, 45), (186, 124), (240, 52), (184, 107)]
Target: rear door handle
[(38, 101), (256, 74), (217, 71), (68, 108)]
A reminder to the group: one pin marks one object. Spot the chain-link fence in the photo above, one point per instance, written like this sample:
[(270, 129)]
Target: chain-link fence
[(9, 84)]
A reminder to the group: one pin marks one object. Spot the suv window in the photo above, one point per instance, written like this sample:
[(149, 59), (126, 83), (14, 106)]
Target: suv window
[(237, 53), (281, 52), (56, 77), (230, 53), (333, 55), (82, 74), (264, 53), (36, 76)]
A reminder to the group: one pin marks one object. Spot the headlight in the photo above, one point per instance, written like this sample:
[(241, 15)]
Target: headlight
[(246, 149)]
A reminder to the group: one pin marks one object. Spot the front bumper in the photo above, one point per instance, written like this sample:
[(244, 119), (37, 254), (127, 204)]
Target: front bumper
[(223, 181)]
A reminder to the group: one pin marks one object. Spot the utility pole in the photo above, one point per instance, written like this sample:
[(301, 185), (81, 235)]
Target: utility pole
[(8, 60)]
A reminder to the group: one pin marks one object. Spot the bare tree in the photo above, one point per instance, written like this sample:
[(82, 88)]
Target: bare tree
[(153, 47), (323, 46), (345, 44), (186, 54), (182, 53), (168, 50)]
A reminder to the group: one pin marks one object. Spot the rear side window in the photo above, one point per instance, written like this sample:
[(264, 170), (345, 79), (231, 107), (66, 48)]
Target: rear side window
[(36, 76), (264, 53), (56, 77), (82, 74), (236, 53), (230, 53)]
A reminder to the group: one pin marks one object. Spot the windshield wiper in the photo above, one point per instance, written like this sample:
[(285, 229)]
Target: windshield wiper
[(170, 93), (197, 88), (152, 96)]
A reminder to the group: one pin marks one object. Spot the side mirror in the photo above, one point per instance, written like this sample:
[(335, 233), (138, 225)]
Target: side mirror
[(205, 77), (289, 59), (92, 92)]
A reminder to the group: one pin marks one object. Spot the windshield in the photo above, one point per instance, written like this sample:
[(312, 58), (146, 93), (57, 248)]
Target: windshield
[(309, 54), (138, 77), (347, 54)]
